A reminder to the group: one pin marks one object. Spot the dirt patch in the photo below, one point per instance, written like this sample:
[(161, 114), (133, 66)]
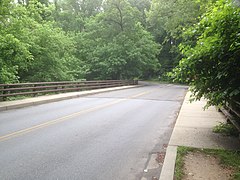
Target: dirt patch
[(200, 166)]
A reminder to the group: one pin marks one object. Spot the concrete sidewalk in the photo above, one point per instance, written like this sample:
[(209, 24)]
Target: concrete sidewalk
[(56, 97), (194, 129)]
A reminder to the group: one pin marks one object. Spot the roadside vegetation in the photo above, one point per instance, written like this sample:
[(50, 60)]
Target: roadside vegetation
[(211, 51), (226, 129), (181, 152), (43, 40), (228, 159), (196, 42)]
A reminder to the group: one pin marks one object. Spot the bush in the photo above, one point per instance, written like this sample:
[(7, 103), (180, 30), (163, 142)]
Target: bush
[(211, 55)]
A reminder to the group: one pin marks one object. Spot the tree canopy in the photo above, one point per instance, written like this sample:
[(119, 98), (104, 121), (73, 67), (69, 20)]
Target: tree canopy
[(42, 40), (211, 50)]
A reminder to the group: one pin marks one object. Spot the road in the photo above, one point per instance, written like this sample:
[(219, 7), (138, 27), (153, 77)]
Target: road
[(108, 136)]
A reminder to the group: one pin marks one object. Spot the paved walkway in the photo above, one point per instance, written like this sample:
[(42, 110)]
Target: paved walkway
[(53, 98), (194, 129)]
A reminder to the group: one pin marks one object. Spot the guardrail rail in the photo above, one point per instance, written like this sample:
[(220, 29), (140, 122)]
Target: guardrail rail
[(232, 113), (40, 88)]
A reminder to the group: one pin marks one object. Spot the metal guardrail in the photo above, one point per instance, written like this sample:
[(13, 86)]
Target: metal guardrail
[(22, 89), (232, 113)]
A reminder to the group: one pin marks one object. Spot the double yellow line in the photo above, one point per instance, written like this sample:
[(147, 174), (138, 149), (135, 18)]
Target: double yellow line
[(64, 118)]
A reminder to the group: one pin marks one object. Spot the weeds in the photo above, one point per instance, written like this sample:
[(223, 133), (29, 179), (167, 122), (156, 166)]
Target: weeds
[(226, 129), (227, 159)]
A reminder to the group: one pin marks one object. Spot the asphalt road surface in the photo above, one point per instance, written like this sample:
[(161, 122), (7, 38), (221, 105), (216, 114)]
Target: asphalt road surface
[(108, 136)]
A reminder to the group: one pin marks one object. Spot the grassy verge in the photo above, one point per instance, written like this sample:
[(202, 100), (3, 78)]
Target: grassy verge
[(181, 152), (227, 159)]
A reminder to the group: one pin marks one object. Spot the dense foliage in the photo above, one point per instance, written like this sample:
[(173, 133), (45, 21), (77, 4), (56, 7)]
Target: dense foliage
[(71, 40), (42, 40), (115, 44), (211, 50), (32, 48)]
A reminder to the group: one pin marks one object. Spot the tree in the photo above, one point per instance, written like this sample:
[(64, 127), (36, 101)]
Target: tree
[(211, 65), (167, 20), (14, 54), (115, 45), (52, 52), (71, 15), (143, 7), (31, 47)]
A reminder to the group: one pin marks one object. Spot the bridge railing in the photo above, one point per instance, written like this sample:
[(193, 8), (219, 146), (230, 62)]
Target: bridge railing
[(232, 113), (40, 88)]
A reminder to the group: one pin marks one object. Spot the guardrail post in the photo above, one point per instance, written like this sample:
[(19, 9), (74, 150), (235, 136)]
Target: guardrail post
[(4, 92), (232, 113), (33, 90)]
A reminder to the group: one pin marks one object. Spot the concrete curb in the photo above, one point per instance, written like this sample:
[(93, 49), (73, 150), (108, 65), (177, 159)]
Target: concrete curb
[(169, 163), (54, 98)]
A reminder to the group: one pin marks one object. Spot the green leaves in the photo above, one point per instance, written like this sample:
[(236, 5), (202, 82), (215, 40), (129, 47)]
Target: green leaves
[(111, 39), (51, 49), (14, 56), (211, 65), (115, 45), (31, 48), (166, 21)]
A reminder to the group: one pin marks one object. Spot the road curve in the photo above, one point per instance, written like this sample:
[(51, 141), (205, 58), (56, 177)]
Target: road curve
[(107, 136)]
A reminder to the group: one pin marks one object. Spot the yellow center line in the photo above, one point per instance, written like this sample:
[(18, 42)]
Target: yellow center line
[(64, 118)]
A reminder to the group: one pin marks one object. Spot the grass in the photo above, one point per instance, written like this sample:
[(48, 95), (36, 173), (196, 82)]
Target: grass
[(181, 152), (226, 129), (227, 159)]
